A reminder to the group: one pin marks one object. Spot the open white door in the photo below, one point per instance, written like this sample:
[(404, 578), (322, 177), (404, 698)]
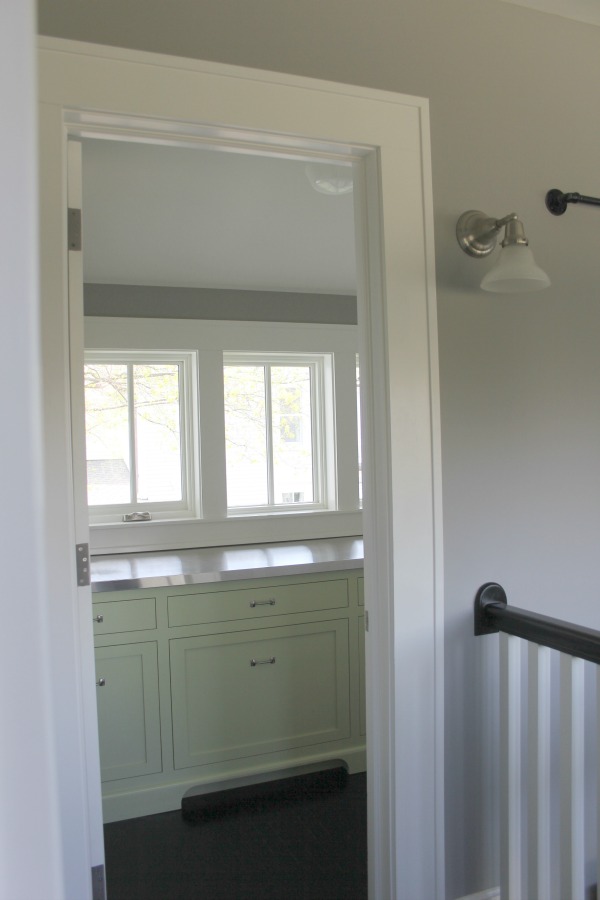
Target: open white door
[(84, 591)]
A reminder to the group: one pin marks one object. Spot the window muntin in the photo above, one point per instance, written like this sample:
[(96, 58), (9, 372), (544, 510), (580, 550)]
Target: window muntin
[(139, 434), (274, 432)]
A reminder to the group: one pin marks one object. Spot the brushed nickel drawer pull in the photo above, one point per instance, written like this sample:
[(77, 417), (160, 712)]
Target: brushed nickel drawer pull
[(101, 682), (263, 662), (270, 602), (99, 619)]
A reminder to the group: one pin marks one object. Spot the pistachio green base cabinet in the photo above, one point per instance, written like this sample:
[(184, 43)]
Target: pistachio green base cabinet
[(213, 684)]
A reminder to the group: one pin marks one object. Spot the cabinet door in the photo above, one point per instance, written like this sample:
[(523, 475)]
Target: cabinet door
[(128, 710), (260, 691)]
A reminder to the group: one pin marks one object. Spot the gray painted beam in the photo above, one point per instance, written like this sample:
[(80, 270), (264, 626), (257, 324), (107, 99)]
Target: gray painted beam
[(154, 302)]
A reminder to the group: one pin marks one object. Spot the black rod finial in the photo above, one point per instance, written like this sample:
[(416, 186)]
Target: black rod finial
[(487, 593), (556, 202)]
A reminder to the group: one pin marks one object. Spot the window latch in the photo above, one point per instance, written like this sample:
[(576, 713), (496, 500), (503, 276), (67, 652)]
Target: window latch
[(137, 517)]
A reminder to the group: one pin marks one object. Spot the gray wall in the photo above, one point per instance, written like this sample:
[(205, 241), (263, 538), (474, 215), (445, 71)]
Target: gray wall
[(514, 112)]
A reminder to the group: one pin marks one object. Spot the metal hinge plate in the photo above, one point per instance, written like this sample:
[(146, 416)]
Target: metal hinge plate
[(98, 883), (74, 228), (82, 559)]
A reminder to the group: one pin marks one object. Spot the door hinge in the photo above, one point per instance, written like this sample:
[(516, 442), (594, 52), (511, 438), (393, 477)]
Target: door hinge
[(74, 228), (82, 559), (98, 883)]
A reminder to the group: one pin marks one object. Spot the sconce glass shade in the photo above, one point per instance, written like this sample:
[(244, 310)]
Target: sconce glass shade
[(515, 272)]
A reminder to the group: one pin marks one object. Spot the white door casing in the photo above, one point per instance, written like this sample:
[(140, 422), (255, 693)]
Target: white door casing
[(87, 90)]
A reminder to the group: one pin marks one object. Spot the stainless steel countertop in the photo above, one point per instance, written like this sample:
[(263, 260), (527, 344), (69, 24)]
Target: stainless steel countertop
[(168, 568)]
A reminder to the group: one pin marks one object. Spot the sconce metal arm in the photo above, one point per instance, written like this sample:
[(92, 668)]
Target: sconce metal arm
[(556, 201), (476, 233)]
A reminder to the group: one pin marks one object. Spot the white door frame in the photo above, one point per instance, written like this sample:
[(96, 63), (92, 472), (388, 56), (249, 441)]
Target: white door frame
[(85, 88)]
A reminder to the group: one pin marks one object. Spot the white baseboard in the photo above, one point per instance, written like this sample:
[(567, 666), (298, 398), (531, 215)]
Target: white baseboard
[(490, 894)]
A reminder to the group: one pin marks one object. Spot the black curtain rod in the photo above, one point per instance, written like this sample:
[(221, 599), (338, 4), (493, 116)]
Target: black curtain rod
[(556, 201)]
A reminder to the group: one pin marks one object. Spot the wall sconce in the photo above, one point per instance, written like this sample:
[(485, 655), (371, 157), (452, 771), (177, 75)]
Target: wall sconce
[(516, 270)]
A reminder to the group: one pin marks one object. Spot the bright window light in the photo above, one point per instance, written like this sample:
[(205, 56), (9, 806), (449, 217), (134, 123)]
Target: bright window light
[(138, 435), (274, 432)]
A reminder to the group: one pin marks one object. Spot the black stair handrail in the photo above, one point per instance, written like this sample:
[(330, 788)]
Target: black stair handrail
[(493, 614)]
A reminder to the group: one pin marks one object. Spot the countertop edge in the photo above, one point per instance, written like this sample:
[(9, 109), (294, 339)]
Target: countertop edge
[(202, 566)]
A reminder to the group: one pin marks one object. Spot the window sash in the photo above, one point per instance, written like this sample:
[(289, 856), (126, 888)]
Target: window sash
[(187, 505), (315, 363)]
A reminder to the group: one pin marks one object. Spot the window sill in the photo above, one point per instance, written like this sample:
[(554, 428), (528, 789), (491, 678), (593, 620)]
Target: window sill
[(126, 537)]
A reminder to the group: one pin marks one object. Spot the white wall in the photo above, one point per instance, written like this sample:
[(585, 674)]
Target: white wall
[(513, 100), (30, 846)]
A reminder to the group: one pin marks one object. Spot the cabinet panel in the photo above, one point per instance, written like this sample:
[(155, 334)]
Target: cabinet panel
[(124, 615), (128, 710), (361, 590), (257, 602), (296, 694)]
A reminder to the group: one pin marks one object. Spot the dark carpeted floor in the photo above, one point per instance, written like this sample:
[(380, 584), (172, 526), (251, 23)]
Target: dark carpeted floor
[(314, 849)]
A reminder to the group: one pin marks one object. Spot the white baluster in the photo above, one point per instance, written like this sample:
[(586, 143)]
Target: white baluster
[(511, 830), (540, 791), (597, 755), (572, 711)]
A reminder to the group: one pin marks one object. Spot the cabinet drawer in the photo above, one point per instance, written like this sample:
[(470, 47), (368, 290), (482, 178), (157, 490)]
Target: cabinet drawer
[(253, 692), (124, 615), (255, 603)]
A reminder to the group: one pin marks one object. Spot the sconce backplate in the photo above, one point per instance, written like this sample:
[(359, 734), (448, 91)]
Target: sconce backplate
[(476, 233)]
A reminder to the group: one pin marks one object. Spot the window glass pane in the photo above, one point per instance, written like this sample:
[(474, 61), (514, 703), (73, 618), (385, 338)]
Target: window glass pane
[(107, 434), (157, 432), (292, 434), (245, 436)]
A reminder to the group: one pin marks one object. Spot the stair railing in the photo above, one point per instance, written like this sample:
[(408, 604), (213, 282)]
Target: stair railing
[(544, 789)]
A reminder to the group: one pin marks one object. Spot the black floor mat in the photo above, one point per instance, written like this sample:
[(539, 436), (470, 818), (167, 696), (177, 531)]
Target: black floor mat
[(200, 807)]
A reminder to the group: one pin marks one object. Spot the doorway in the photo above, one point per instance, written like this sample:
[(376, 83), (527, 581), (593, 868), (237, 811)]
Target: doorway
[(197, 250), (386, 136)]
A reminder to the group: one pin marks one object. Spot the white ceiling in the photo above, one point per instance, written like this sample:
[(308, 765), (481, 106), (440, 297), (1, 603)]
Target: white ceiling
[(205, 218)]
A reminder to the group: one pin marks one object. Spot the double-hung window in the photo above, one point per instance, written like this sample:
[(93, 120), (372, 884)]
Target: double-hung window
[(278, 431), (140, 427)]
